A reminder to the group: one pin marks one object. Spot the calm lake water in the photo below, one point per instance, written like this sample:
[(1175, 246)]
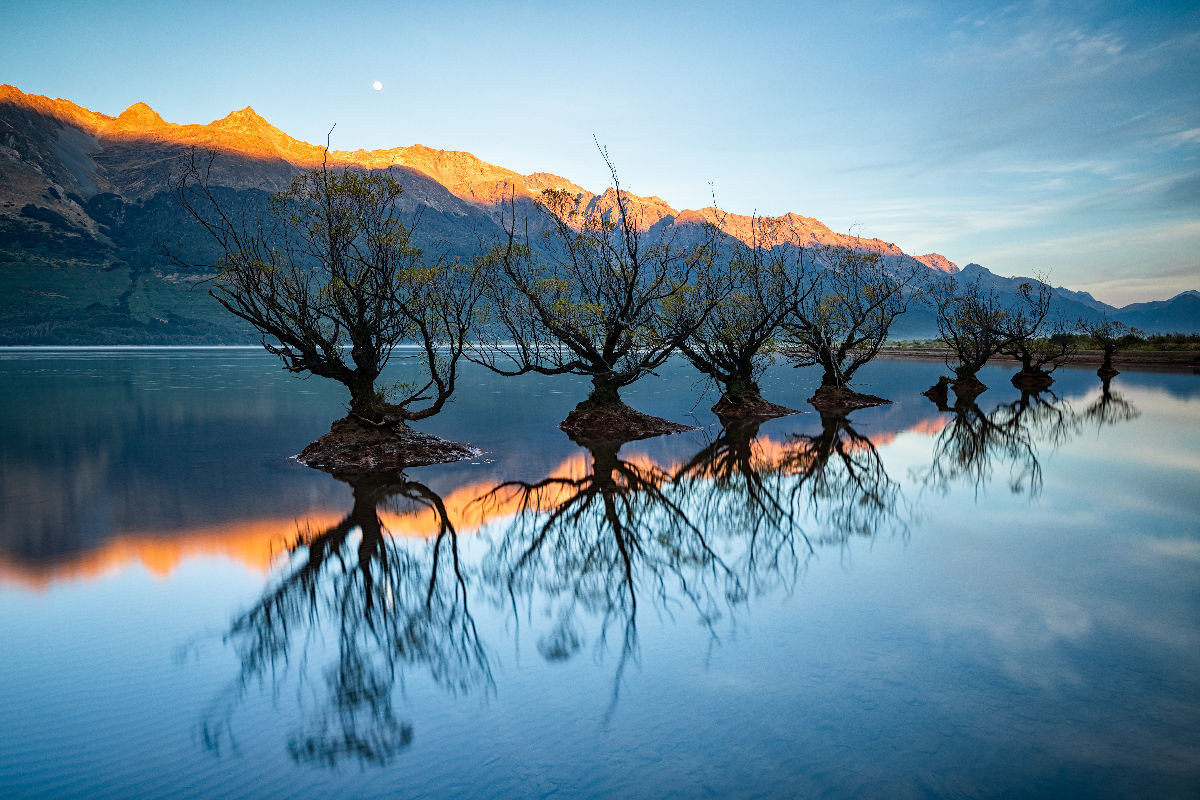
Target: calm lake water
[(995, 601)]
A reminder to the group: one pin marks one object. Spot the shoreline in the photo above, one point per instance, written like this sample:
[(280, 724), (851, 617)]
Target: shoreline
[(1173, 360)]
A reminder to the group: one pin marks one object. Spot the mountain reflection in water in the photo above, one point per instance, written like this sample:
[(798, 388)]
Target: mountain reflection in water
[(84, 496), (255, 540), (853, 605)]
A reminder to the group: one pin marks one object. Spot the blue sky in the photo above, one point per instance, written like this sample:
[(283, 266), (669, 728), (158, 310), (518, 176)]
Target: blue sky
[(1027, 137)]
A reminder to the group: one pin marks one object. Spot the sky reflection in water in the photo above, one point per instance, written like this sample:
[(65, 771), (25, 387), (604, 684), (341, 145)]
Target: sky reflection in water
[(907, 602)]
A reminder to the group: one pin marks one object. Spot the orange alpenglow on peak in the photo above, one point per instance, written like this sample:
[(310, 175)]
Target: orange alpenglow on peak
[(939, 262), (540, 181), (139, 117), (243, 119)]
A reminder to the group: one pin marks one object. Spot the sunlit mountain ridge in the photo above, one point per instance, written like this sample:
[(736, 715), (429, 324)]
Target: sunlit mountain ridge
[(246, 133), (87, 218)]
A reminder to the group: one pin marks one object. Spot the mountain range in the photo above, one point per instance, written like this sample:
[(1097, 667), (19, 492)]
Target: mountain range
[(85, 212)]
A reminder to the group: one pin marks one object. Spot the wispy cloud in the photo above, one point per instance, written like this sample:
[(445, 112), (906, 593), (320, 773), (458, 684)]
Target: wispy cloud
[(1049, 167), (1176, 549), (1189, 136)]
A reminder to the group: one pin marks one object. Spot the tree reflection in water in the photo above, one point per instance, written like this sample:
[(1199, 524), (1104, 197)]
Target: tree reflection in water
[(736, 489), (375, 606), (973, 444), (838, 475), (1110, 408), (586, 549), (590, 546)]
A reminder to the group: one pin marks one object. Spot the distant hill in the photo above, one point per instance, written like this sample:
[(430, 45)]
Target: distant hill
[(1180, 313), (1068, 305), (85, 214)]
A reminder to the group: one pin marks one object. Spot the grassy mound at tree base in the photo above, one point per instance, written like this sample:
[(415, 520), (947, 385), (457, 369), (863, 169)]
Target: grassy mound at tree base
[(354, 447), (835, 399), (969, 388), (1035, 380), (749, 408), (616, 422)]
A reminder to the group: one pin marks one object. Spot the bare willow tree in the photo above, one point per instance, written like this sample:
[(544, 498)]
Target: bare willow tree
[(735, 489), (972, 444), (732, 461), (969, 320), (739, 338), (1032, 337), (840, 323), (1111, 336), (327, 273), (597, 296)]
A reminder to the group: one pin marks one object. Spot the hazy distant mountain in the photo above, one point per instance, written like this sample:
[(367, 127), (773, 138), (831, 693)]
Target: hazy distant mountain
[(85, 212), (1084, 298), (1180, 313), (1068, 305)]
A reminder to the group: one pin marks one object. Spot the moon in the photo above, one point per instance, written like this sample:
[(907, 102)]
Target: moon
[(377, 85)]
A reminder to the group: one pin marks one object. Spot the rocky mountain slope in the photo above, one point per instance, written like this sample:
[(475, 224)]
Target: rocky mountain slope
[(85, 215)]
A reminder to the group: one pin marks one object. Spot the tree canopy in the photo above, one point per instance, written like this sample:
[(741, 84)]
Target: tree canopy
[(1033, 337), (596, 295), (969, 320), (843, 319), (326, 271), (741, 335)]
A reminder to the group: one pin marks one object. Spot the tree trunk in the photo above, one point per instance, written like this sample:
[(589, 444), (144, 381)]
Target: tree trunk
[(604, 393), (604, 462), (743, 398), (740, 390), (1106, 370), (364, 402), (1031, 377), (830, 376)]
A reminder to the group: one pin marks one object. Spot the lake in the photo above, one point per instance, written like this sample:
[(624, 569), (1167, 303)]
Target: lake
[(999, 600)]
